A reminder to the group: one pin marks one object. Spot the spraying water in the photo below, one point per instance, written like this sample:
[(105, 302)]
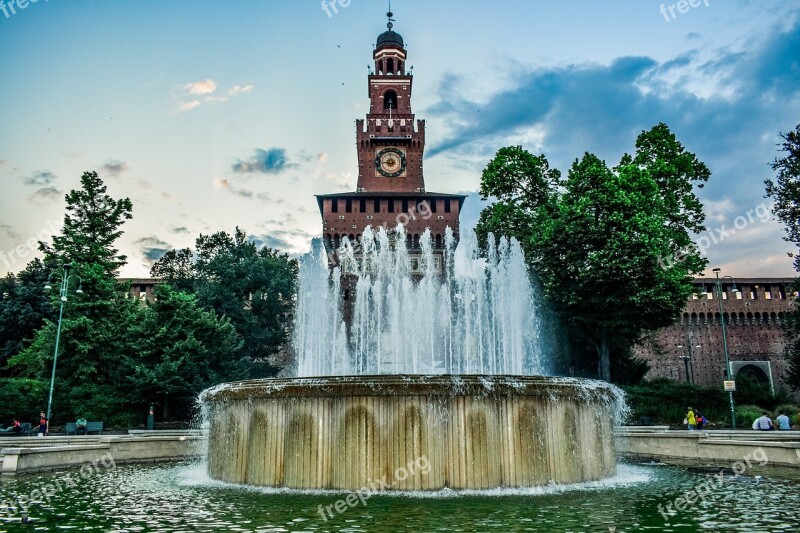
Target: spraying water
[(416, 311)]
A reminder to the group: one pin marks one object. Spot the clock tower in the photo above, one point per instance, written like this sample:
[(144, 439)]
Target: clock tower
[(390, 143)]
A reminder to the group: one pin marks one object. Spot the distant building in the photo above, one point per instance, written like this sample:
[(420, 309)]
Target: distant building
[(142, 288), (753, 318)]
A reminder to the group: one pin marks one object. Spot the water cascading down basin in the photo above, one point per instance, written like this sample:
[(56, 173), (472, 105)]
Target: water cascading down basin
[(411, 432)]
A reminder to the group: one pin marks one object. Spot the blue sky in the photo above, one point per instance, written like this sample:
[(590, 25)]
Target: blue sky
[(211, 114)]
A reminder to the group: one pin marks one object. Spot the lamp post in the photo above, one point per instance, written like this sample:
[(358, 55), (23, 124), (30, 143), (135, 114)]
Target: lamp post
[(65, 277), (725, 338), (687, 359)]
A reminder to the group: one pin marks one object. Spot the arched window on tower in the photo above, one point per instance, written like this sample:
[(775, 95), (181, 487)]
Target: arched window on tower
[(390, 66), (390, 100)]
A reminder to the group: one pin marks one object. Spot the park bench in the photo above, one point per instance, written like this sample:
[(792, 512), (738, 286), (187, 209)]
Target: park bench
[(94, 427)]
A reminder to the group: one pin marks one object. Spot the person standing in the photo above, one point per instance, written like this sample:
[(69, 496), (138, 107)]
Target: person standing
[(42, 427), (691, 421), (783, 421), (700, 420)]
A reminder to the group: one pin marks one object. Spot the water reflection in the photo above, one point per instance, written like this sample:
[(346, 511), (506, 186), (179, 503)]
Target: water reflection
[(179, 498)]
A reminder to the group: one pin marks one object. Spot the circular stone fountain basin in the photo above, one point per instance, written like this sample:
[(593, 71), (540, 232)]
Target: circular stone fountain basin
[(411, 432)]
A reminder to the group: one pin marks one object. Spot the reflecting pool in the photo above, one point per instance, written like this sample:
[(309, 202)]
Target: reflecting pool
[(180, 497)]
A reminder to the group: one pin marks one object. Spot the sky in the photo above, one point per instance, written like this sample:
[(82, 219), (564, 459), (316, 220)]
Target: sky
[(210, 115)]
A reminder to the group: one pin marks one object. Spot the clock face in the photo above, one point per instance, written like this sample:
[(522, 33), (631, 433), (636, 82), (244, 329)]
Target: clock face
[(390, 162)]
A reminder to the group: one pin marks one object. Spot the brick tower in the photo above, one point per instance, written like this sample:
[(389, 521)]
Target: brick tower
[(390, 144)]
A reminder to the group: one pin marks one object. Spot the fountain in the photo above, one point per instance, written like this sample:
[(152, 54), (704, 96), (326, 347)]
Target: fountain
[(431, 358)]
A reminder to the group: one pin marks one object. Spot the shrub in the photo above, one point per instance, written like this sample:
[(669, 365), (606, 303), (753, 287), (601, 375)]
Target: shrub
[(789, 409), (664, 401), (746, 415)]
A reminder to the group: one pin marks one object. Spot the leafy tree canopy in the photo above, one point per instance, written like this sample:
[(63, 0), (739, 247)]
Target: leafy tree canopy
[(603, 241)]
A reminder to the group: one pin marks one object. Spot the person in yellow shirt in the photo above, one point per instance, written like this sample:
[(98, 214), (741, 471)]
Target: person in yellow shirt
[(690, 419)]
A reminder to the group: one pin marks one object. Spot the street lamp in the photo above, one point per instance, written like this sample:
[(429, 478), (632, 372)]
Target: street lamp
[(65, 277), (725, 338), (687, 359)]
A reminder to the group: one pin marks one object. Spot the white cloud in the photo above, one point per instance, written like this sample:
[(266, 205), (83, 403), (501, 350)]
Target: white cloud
[(186, 106), (236, 89), (192, 95), (206, 86)]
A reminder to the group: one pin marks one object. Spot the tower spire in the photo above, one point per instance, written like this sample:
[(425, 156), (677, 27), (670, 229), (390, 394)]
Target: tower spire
[(389, 15)]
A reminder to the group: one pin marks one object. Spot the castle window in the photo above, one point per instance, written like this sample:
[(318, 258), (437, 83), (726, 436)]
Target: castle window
[(391, 206), (768, 293), (390, 100), (405, 206), (348, 205), (447, 206), (334, 206), (362, 205), (377, 206), (389, 65), (433, 205)]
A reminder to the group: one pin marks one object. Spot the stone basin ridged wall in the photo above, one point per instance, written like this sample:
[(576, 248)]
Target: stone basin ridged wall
[(411, 432)]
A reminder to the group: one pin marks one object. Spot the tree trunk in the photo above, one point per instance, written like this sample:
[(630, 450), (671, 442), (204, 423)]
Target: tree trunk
[(165, 411), (604, 363)]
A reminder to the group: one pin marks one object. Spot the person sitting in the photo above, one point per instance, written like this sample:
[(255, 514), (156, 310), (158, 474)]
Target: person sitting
[(80, 426), (14, 428), (763, 423), (783, 421)]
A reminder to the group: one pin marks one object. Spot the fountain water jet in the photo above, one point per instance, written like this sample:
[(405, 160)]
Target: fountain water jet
[(403, 356)]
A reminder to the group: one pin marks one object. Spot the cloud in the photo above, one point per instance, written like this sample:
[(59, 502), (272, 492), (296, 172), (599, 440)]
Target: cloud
[(206, 86), (186, 106), (269, 161), (195, 94), (181, 230), (225, 183), (40, 177), (45, 195), (292, 241), (236, 89), (9, 231), (153, 248), (726, 104), (115, 168)]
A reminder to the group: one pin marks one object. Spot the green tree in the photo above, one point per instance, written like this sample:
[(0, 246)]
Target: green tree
[(523, 185), (254, 288), (95, 324), (603, 241), (184, 349), (24, 307), (785, 190)]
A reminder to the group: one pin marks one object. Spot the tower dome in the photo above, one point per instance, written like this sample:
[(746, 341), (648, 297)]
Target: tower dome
[(390, 38)]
